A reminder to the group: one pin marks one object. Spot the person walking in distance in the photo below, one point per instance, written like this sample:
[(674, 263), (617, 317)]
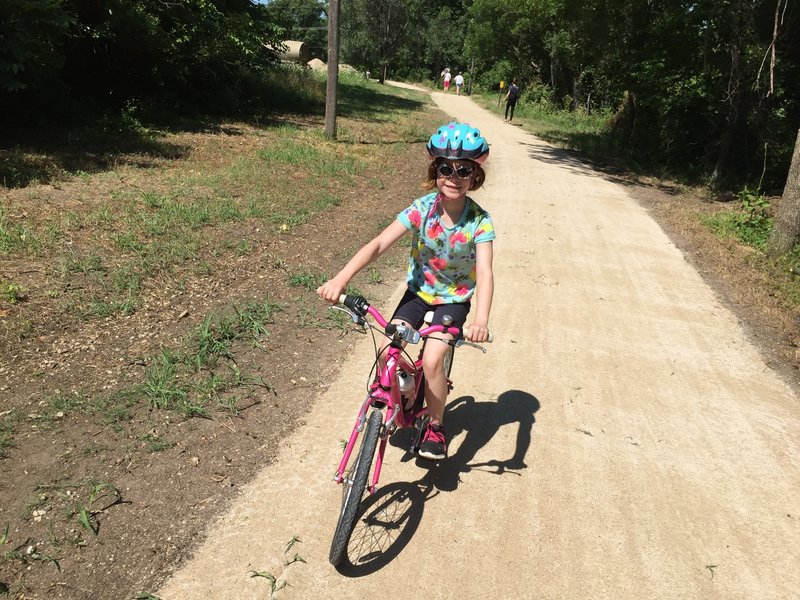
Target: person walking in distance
[(447, 77), (511, 100), (459, 81), (450, 265)]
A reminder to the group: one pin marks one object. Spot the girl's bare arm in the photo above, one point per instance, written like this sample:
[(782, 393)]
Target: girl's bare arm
[(335, 287), (478, 330)]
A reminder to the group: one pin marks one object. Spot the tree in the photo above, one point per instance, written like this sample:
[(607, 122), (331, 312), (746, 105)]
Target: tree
[(374, 32), (30, 32), (786, 230), (444, 37)]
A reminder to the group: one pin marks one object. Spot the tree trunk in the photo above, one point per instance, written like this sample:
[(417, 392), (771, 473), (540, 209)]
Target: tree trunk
[(733, 94), (732, 98), (621, 125), (786, 229)]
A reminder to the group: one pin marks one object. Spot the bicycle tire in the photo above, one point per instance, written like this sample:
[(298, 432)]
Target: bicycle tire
[(354, 488)]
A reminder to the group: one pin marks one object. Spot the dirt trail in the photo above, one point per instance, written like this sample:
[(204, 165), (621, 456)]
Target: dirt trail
[(620, 439)]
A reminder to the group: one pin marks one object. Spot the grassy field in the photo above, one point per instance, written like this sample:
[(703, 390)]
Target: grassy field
[(157, 306)]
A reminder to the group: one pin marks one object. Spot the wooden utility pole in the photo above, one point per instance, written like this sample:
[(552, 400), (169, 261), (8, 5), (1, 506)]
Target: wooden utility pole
[(471, 76), (333, 68)]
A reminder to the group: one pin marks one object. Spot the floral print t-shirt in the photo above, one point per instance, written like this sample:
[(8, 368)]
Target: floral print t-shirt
[(442, 266)]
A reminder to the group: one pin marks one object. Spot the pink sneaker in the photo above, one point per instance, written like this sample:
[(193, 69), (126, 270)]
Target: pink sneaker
[(434, 443)]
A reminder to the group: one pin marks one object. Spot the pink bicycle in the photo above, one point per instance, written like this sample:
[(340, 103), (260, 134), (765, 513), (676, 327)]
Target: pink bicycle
[(394, 401)]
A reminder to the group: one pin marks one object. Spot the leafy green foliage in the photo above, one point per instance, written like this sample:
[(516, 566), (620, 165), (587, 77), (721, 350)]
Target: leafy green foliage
[(751, 223), (754, 223), (11, 292), (703, 101), (28, 30), (706, 96), (87, 56)]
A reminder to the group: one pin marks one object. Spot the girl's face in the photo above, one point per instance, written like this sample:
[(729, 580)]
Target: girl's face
[(454, 178)]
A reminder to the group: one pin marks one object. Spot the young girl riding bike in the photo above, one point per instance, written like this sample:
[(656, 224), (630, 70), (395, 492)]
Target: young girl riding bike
[(450, 263)]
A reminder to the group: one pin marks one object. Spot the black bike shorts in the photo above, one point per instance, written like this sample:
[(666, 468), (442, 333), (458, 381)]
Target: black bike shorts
[(412, 309)]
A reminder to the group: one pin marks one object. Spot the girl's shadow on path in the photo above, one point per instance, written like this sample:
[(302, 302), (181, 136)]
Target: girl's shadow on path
[(389, 519)]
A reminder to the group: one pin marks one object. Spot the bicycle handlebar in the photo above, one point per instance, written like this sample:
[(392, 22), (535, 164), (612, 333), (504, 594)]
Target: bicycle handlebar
[(360, 306)]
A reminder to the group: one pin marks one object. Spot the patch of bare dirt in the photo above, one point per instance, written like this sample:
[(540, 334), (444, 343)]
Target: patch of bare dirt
[(104, 501)]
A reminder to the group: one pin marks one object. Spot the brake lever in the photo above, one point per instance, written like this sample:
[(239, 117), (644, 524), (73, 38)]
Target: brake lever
[(463, 342), (357, 319)]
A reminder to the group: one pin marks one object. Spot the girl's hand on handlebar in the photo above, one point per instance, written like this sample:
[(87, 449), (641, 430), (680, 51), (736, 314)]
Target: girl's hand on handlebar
[(477, 333), (331, 290)]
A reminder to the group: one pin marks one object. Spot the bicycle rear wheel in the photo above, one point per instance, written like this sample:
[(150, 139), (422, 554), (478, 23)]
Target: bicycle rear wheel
[(354, 484)]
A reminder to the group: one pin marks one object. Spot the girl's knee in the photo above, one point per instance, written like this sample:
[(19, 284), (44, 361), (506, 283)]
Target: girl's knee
[(433, 362)]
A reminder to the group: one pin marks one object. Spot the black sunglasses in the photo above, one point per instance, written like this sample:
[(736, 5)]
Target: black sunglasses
[(462, 171)]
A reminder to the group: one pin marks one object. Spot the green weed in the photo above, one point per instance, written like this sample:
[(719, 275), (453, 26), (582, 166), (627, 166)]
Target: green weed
[(12, 293), (161, 385), (84, 518), (106, 308), (274, 584), (229, 404), (308, 280), (127, 279), (293, 152), (288, 221), (92, 450), (31, 554), (213, 341), (253, 317), (153, 199), (243, 248), (155, 443), (15, 239), (750, 224), (324, 201), (212, 386), (81, 264), (98, 490), (115, 407)]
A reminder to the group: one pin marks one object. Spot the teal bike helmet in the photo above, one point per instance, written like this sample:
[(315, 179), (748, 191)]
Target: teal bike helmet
[(458, 141)]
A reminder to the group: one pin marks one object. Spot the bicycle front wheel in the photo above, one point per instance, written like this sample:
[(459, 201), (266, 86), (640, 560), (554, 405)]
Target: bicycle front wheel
[(355, 482)]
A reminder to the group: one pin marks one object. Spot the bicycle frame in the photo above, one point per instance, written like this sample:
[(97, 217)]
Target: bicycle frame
[(386, 395)]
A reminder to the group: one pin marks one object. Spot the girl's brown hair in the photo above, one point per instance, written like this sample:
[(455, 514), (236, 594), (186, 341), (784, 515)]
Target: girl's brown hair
[(430, 182)]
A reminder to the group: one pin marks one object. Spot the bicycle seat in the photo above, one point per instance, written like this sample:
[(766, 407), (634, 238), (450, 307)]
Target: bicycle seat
[(428, 319)]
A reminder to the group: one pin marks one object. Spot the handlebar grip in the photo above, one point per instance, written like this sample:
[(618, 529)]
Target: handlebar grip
[(357, 304)]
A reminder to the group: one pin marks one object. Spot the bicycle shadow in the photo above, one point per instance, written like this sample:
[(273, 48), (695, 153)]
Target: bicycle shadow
[(388, 519)]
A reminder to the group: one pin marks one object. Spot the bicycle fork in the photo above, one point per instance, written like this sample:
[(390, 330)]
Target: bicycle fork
[(354, 435), (348, 450)]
